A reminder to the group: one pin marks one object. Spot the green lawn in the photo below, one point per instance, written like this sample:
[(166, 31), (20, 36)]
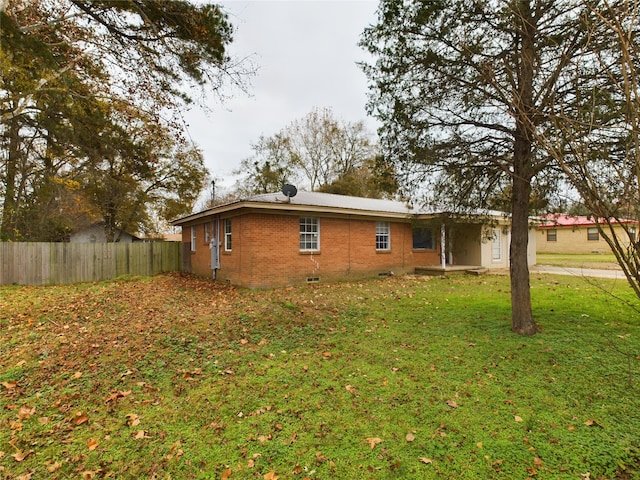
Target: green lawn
[(587, 260), (175, 377)]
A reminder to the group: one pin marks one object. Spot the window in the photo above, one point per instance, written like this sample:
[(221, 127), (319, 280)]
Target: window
[(193, 239), (632, 234), (496, 245), (309, 234), (207, 233), (227, 235), (592, 234), (383, 234), (423, 239), (552, 235)]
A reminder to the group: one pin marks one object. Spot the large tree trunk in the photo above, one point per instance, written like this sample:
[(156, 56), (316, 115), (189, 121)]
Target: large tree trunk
[(7, 224), (521, 314)]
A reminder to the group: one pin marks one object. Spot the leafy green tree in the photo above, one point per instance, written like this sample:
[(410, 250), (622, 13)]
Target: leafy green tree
[(372, 179), (463, 90), (69, 65)]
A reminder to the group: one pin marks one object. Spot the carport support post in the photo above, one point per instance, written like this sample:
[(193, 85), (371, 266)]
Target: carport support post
[(443, 244)]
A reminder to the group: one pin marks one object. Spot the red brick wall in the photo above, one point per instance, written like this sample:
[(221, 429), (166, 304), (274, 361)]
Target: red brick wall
[(266, 251)]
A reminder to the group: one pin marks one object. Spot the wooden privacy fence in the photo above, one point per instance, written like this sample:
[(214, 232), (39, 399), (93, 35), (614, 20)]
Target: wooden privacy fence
[(60, 263)]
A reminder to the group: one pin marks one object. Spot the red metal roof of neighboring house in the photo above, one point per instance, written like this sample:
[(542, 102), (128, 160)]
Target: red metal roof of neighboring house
[(554, 220)]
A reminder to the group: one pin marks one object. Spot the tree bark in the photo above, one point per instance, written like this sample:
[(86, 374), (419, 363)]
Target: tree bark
[(7, 224), (521, 314), (522, 321)]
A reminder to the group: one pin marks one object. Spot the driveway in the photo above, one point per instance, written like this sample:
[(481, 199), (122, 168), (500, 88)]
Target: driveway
[(578, 272)]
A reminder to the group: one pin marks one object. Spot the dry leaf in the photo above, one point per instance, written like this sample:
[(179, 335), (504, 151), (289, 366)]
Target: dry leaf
[(352, 390), (26, 412), (517, 418), (53, 467), (133, 420), (141, 435), (452, 403), (20, 456), (226, 474), (79, 418), (10, 385), (92, 444), (373, 441), (410, 437), (271, 476), (425, 460)]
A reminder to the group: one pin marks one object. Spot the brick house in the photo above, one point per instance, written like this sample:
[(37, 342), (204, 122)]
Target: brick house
[(272, 240), (562, 233)]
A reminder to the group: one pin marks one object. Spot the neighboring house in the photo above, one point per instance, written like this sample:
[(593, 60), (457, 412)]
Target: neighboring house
[(562, 233), (271, 240), (95, 234)]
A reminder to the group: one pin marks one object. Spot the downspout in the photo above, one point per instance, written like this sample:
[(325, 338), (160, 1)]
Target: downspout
[(217, 265), (443, 244)]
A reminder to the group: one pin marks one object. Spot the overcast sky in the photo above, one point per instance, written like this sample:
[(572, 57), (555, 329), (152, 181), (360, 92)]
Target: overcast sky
[(306, 54)]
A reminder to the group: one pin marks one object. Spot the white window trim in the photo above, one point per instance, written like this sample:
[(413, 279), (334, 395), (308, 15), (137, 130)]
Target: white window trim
[(316, 233), (228, 244), (193, 239), (207, 233), (383, 230)]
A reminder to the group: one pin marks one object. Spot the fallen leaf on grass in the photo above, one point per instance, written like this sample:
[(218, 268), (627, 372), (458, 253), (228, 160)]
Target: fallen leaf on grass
[(373, 441), (117, 395), (53, 467), (92, 444), (26, 412), (410, 437), (452, 403), (271, 476), (226, 474), (20, 456), (352, 390), (142, 434), (425, 460), (15, 426), (133, 420), (517, 418), (79, 418), (9, 385)]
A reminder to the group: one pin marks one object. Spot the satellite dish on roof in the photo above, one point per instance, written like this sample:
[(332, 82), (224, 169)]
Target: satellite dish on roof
[(289, 191)]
